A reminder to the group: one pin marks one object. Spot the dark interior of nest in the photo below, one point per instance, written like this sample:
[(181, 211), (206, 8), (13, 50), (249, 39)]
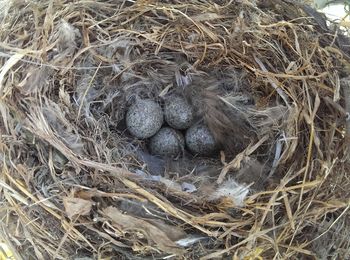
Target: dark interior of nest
[(220, 99)]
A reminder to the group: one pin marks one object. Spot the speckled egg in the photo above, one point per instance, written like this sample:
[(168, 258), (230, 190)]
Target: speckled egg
[(167, 142), (144, 118), (200, 140), (178, 112)]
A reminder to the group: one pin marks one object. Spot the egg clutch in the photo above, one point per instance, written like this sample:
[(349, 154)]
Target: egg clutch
[(170, 129)]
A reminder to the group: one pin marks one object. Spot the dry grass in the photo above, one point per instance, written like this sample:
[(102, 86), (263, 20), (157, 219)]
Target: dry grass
[(71, 182)]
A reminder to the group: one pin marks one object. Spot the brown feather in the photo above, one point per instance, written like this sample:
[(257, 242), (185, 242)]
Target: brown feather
[(230, 127)]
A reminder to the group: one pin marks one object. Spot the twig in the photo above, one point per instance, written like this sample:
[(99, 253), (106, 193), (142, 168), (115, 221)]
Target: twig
[(236, 162), (345, 83), (86, 91), (273, 84)]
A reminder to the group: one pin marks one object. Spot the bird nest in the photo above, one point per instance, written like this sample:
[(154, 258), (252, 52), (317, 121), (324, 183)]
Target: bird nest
[(268, 78)]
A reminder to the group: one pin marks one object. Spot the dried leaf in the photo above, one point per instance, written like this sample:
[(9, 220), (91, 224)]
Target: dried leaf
[(205, 17), (174, 233), (5, 115), (7, 66), (159, 237), (76, 206)]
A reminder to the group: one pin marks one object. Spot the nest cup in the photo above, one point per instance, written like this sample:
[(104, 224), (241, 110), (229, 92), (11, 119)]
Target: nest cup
[(74, 186)]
